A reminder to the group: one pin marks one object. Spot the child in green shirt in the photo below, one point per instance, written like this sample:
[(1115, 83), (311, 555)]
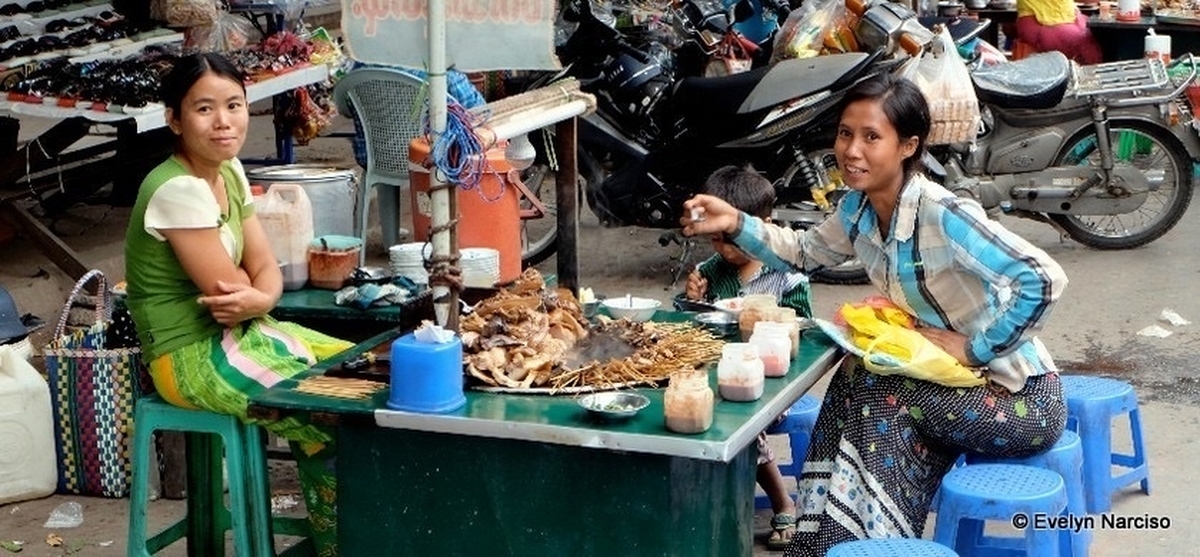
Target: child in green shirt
[(731, 273)]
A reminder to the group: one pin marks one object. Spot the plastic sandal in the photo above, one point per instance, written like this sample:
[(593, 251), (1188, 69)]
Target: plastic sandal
[(781, 523)]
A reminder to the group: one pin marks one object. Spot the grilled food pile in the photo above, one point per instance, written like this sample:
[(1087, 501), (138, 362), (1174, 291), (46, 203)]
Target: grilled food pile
[(526, 337)]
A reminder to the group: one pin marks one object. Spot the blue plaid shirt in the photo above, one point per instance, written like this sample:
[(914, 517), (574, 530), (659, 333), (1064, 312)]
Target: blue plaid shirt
[(944, 262)]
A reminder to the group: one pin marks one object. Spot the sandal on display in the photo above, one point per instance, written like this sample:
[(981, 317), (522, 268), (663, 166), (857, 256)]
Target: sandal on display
[(783, 525)]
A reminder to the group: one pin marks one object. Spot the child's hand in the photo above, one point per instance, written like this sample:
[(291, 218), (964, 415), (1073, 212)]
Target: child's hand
[(697, 286)]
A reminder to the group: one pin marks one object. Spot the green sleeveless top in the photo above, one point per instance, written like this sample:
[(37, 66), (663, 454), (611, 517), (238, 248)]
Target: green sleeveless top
[(161, 296)]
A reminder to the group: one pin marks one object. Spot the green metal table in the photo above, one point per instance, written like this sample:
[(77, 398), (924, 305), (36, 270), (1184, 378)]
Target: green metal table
[(314, 308), (536, 475)]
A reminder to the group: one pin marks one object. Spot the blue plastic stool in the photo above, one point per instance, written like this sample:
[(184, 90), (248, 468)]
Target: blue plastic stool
[(798, 426), (890, 547), (1066, 458), (249, 513), (937, 496), (999, 492), (1092, 403)]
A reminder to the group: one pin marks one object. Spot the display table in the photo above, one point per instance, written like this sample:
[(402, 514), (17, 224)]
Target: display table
[(152, 116), (314, 308), (536, 475), (136, 133), (1121, 40)]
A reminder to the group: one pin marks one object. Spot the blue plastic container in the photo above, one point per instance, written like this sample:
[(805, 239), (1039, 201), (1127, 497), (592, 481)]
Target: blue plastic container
[(426, 377)]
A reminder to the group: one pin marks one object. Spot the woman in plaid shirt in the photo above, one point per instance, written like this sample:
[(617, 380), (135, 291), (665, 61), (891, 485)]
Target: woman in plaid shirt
[(882, 443)]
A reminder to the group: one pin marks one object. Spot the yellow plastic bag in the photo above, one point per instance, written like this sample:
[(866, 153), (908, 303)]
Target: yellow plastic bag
[(891, 346)]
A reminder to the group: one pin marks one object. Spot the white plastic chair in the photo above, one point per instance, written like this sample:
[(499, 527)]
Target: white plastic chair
[(390, 105)]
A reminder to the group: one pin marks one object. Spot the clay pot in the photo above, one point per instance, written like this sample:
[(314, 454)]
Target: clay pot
[(331, 269)]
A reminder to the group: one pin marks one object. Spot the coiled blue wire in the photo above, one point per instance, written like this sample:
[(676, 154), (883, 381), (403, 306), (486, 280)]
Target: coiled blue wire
[(457, 152)]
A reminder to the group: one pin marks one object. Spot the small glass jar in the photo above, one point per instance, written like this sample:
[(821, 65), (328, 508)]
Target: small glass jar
[(787, 315), (688, 402), (754, 309), (740, 372), (774, 347)]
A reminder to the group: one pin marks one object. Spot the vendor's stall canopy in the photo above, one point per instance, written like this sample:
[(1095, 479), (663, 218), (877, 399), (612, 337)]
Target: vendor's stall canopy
[(481, 35)]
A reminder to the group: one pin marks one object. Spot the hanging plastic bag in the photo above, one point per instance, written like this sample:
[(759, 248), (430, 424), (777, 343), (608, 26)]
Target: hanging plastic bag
[(735, 54), (944, 79), (802, 35), (890, 346), (307, 116), (228, 33), (184, 13)]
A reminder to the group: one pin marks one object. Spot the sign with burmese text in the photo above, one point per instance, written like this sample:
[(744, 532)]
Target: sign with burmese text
[(481, 35)]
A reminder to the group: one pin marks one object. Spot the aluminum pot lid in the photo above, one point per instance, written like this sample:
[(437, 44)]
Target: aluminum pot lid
[(299, 172)]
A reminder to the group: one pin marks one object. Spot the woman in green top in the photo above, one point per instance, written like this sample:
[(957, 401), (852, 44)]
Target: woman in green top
[(201, 277), (731, 273)]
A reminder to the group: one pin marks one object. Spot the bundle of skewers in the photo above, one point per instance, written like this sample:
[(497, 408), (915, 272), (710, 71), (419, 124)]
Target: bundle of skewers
[(339, 387), (659, 350)]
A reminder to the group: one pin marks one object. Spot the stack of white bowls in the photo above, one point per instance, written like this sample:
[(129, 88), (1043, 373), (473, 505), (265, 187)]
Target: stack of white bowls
[(480, 267), (408, 260)]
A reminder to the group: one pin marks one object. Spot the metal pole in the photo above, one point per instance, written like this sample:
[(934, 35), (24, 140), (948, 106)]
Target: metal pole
[(443, 200), (567, 195)]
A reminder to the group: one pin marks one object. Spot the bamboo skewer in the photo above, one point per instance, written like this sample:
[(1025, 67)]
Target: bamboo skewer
[(339, 387)]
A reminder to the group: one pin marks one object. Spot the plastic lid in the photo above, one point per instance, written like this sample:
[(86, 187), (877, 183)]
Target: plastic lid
[(333, 242)]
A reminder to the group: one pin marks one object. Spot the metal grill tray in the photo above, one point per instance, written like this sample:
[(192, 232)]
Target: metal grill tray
[(1120, 77)]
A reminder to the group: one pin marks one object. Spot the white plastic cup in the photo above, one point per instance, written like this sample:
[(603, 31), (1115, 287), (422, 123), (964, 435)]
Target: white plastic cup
[(1158, 46), (1129, 10)]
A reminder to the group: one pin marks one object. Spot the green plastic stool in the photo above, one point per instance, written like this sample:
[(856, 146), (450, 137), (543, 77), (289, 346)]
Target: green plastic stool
[(207, 520)]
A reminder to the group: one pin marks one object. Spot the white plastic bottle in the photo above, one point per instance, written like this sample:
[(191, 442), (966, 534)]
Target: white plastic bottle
[(287, 218), (27, 462)]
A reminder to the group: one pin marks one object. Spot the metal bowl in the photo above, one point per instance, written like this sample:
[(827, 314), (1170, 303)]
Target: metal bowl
[(370, 275), (614, 405), (720, 323), (682, 303)]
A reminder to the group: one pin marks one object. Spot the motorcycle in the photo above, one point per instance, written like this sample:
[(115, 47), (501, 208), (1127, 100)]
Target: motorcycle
[(656, 135), (1103, 153)]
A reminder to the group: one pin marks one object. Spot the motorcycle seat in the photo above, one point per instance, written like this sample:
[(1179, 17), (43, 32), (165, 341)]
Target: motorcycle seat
[(1036, 82), (715, 96)]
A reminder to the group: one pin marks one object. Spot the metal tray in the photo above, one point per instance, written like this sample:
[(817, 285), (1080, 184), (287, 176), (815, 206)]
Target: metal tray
[(563, 391), (1118, 77), (1178, 17)]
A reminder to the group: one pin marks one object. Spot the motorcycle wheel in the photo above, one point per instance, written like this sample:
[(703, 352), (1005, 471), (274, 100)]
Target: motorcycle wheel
[(1150, 148), (850, 272), (539, 236)]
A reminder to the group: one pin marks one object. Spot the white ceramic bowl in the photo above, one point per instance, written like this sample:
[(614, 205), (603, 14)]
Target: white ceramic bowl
[(730, 305), (633, 309)]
